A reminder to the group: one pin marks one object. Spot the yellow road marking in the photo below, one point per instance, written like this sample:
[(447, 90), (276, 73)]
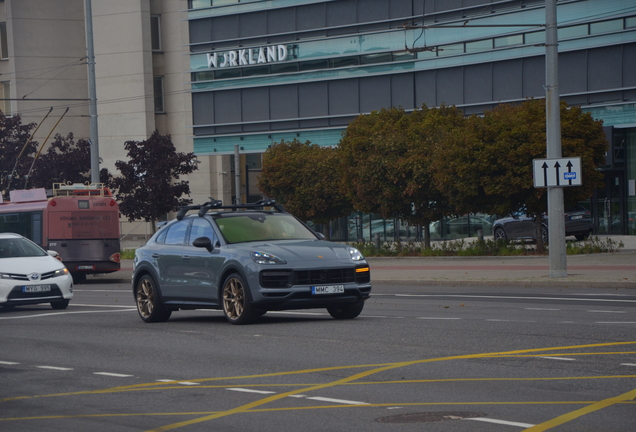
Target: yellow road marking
[(314, 407), (629, 396), (355, 377), (377, 368)]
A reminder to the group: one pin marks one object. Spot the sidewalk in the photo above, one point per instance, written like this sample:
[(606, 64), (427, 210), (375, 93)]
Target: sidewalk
[(610, 270)]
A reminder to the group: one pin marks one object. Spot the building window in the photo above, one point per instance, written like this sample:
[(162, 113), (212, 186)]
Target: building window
[(155, 32), (508, 41), (158, 91), (4, 46), (5, 95)]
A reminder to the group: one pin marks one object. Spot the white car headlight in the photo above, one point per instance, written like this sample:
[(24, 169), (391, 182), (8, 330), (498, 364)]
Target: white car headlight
[(60, 272), (355, 254), (265, 258)]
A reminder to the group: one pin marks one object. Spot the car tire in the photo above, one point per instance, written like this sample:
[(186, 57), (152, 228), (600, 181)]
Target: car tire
[(78, 278), (61, 304), (345, 312), (236, 301), (148, 300), (581, 237), (500, 234)]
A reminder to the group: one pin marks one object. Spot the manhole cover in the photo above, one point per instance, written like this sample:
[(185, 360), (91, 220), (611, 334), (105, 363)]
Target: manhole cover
[(427, 417)]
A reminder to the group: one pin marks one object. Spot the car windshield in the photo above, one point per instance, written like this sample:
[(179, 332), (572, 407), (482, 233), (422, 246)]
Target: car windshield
[(18, 247), (260, 226)]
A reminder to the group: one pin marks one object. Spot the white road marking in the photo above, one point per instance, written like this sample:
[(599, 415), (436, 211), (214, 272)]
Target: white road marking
[(542, 309), (557, 358), (64, 313), (342, 401), (8, 363), (295, 313), (104, 306), (628, 364), (55, 368), (298, 396), (515, 298), (605, 311), (438, 318), (615, 322), (502, 422), (166, 380), (250, 390), (112, 374), (188, 383), (82, 290)]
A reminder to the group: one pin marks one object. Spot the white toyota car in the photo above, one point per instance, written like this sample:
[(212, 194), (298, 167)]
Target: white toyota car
[(31, 275)]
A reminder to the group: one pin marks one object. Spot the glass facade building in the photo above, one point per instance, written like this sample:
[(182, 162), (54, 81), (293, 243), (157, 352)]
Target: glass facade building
[(266, 70)]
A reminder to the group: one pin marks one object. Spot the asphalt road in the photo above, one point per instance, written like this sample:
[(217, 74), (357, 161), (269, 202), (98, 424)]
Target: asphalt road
[(427, 358)]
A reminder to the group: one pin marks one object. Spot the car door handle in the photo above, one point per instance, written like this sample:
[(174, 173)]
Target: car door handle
[(185, 258), (156, 255)]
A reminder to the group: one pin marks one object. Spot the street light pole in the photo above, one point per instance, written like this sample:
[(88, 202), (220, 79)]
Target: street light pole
[(556, 221), (92, 93)]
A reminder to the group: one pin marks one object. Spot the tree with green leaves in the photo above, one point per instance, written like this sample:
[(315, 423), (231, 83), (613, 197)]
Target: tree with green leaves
[(14, 136), (385, 164), (65, 161), (486, 166), (306, 179), (148, 187)]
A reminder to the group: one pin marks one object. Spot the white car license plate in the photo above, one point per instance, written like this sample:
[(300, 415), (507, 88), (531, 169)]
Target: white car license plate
[(36, 288), (327, 289), (577, 217), (86, 267)]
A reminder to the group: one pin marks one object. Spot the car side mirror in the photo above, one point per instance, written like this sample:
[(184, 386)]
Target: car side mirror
[(203, 242), (54, 254)]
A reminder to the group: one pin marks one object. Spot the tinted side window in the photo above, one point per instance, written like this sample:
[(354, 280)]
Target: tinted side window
[(201, 228), (161, 238), (177, 233)]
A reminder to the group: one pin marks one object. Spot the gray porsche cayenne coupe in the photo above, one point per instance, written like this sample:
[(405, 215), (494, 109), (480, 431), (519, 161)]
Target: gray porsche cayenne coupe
[(246, 260)]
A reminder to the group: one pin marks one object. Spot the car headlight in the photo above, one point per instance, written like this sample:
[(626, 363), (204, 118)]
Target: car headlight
[(5, 276), (265, 258), (60, 272), (355, 254)]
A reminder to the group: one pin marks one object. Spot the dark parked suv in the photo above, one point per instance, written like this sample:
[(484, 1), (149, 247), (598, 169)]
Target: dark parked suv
[(578, 223), (246, 260)]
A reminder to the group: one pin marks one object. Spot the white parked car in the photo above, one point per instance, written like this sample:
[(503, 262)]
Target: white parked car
[(31, 275)]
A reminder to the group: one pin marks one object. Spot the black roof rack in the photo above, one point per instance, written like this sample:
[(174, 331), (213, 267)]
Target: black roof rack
[(217, 204)]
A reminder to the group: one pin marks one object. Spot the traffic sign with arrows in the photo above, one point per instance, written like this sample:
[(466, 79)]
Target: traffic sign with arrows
[(557, 172)]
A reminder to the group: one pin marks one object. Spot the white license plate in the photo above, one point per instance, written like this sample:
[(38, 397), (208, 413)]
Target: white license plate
[(327, 289), (577, 217), (36, 288), (87, 267)]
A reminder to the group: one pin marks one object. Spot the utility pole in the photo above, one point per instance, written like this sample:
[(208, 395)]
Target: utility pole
[(237, 174), (556, 222), (92, 93)]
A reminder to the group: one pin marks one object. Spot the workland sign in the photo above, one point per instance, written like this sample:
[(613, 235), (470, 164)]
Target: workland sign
[(557, 172)]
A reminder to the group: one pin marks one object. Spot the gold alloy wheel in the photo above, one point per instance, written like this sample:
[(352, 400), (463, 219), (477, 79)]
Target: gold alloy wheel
[(145, 297), (233, 298)]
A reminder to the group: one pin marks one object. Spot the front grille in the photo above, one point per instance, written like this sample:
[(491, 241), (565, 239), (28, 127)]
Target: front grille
[(23, 277), (288, 278), (16, 276), (276, 279), (332, 276)]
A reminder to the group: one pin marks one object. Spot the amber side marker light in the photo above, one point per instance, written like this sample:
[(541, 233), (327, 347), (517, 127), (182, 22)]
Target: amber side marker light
[(362, 270)]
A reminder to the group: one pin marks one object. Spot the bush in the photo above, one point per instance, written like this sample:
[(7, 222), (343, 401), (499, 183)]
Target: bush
[(127, 254), (488, 247)]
